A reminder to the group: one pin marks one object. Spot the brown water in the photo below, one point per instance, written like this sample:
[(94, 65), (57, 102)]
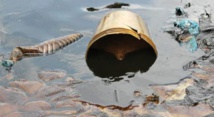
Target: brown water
[(27, 22)]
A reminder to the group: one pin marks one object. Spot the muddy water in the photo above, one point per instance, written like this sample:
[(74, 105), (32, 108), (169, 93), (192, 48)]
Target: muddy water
[(26, 22)]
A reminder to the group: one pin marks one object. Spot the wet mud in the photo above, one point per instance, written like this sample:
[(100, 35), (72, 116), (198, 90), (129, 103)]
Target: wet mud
[(192, 96)]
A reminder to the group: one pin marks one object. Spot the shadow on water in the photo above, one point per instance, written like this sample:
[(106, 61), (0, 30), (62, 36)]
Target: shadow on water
[(105, 65)]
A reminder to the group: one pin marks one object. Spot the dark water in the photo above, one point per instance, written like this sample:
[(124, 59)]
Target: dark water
[(27, 22)]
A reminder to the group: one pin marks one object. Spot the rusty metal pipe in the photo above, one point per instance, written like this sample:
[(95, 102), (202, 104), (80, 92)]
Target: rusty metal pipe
[(45, 48), (132, 30), (121, 44)]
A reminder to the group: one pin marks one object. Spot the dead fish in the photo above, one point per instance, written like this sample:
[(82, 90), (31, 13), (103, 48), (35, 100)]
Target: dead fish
[(46, 48)]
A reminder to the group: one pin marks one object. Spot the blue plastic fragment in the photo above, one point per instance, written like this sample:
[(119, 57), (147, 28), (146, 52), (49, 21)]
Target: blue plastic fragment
[(190, 25), (7, 63), (191, 45), (193, 28)]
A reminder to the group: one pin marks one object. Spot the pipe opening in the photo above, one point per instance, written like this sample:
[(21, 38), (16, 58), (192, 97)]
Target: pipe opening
[(116, 54)]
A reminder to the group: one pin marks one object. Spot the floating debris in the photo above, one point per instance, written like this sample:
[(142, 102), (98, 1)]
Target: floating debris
[(46, 48), (151, 99), (185, 30), (121, 41), (8, 64), (117, 5), (111, 6), (190, 43), (137, 93), (189, 25), (92, 9)]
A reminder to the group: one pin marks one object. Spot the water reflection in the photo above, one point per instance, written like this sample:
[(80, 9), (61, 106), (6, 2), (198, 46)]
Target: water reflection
[(105, 65)]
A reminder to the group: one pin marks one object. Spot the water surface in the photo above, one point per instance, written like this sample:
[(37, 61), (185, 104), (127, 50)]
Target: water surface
[(24, 22)]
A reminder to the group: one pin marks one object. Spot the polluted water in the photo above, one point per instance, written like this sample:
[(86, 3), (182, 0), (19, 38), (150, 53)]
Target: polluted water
[(62, 84)]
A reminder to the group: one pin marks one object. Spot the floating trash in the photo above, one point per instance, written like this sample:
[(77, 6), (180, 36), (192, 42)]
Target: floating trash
[(110, 6), (151, 99), (46, 48), (117, 5), (189, 25), (137, 93), (8, 64), (190, 43), (120, 46)]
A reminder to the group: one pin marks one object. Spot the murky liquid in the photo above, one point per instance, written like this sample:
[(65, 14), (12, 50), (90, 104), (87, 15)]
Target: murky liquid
[(28, 23)]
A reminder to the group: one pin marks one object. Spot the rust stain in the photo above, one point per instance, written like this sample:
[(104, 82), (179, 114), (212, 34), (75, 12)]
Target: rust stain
[(152, 98), (113, 107)]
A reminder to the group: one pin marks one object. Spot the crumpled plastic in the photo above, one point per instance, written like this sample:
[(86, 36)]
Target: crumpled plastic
[(8, 64), (191, 45), (192, 27), (189, 25)]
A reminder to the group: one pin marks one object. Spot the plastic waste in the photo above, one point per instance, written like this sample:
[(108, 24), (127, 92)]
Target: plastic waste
[(191, 45), (189, 25), (8, 64)]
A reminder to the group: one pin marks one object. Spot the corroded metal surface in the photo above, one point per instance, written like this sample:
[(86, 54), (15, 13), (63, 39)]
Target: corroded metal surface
[(118, 23), (45, 48)]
